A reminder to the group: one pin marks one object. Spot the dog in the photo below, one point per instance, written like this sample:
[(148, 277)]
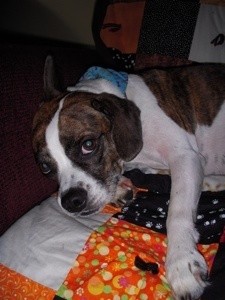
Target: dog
[(170, 121)]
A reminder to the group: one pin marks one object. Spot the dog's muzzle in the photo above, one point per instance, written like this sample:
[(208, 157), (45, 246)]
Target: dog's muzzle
[(74, 200)]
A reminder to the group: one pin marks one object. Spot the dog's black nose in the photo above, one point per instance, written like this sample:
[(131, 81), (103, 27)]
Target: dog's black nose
[(74, 200)]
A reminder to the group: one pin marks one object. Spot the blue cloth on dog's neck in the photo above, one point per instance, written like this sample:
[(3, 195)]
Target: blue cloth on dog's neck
[(119, 79)]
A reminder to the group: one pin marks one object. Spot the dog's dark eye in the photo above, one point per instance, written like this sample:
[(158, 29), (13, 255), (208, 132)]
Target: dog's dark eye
[(88, 146), (45, 168)]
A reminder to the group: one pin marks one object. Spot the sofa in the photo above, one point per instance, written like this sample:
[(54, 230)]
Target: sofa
[(45, 254), (21, 64)]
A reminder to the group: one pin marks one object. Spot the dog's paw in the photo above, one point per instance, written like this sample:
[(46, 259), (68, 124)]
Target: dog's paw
[(187, 274)]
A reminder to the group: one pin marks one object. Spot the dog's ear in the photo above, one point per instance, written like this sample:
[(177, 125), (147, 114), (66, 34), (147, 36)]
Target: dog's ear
[(124, 116), (51, 80)]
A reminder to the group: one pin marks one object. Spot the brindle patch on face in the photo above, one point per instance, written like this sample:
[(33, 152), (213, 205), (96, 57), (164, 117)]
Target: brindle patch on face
[(78, 118), (41, 120), (79, 121), (189, 95)]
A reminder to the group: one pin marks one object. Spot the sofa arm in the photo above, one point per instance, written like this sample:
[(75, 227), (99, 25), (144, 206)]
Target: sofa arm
[(21, 64)]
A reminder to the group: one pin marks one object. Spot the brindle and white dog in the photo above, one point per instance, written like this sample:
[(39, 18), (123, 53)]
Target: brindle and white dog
[(173, 121)]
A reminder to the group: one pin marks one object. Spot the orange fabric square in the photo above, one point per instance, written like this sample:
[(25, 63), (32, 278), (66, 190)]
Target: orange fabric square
[(16, 286), (105, 268)]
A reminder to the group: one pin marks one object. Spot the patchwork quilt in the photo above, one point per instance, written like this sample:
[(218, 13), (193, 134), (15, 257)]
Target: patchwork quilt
[(106, 269), (123, 257)]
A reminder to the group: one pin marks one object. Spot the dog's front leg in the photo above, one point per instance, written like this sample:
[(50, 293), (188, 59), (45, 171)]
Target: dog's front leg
[(186, 269)]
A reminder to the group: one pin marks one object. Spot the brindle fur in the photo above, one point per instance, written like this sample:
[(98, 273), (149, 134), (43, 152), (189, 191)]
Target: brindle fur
[(190, 95)]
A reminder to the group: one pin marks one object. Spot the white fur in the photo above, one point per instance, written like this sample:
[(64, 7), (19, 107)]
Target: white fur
[(96, 86), (188, 157), (70, 175)]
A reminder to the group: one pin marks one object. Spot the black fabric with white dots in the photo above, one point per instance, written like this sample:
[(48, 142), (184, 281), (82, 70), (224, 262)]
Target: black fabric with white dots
[(123, 61), (150, 209), (161, 30)]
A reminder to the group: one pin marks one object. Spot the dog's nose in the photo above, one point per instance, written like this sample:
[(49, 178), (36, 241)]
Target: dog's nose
[(74, 200)]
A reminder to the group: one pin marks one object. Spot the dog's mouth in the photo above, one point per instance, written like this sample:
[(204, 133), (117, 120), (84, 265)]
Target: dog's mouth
[(84, 212), (77, 202), (89, 212)]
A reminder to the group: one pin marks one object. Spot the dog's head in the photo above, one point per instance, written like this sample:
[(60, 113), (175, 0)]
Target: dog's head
[(82, 139)]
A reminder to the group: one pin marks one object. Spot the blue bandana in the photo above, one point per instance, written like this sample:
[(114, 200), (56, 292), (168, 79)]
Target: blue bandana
[(119, 79)]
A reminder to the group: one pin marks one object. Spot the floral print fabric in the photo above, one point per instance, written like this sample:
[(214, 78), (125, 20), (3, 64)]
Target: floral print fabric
[(105, 269)]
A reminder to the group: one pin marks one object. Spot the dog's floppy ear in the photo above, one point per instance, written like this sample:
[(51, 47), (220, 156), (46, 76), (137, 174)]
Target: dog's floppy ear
[(51, 80), (126, 124)]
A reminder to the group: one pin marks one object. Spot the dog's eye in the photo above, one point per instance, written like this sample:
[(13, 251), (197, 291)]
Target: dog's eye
[(45, 168), (88, 146)]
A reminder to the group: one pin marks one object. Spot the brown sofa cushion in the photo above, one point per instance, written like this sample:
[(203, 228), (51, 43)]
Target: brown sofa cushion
[(22, 185)]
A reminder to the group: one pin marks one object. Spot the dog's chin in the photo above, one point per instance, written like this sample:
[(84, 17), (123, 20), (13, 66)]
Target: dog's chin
[(90, 212), (84, 213), (87, 211)]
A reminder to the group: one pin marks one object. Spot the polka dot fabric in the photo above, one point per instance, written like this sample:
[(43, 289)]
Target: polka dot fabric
[(105, 269)]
